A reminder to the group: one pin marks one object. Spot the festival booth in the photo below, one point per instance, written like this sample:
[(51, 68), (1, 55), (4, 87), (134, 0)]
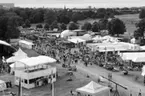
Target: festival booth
[(35, 71), (2, 85), (26, 44), (93, 89)]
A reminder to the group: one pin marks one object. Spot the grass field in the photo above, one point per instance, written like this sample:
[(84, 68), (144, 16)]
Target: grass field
[(129, 20)]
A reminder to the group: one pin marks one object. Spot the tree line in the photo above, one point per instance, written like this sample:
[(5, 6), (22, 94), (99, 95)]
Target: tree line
[(13, 18)]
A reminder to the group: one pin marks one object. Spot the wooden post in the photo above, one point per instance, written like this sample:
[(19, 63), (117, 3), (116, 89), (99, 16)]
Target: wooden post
[(52, 88)]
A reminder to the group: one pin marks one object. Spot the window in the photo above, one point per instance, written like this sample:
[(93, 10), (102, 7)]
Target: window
[(25, 81)]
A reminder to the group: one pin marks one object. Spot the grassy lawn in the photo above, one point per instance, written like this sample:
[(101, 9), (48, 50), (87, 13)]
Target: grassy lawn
[(130, 20)]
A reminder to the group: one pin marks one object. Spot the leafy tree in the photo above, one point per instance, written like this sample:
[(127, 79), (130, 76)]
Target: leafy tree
[(49, 17), (3, 27), (27, 24), (39, 26), (87, 26), (138, 33), (63, 26), (101, 12), (63, 19), (2, 11), (9, 27), (54, 25), (141, 27), (95, 27), (37, 16), (46, 26), (72, 26), (89, 14), (103, 24), (116, 26), (77, 16), (142, 14)]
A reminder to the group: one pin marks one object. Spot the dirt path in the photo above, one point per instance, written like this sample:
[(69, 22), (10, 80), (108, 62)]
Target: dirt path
[(96, 71)]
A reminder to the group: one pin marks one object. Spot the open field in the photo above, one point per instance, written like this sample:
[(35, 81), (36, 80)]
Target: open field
[(129, 19)]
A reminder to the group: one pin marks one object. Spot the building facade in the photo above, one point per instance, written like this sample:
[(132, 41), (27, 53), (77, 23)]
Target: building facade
[(7, 5)]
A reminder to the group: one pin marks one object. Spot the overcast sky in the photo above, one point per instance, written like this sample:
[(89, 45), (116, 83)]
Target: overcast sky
[(76, 3)]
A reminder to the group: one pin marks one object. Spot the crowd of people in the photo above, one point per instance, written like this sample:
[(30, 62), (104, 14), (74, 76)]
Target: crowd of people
[(68, 55)]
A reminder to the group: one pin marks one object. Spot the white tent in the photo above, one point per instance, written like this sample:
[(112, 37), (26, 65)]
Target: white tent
[(4, 43), (76, 40), (134, 56), (33, 61), (98, 37), (17, 56), (139, 59), (133, 40), (67, 33), (142, 47), (26, 44), (19, 52), (2, 85), (94, 89), (86, 37)]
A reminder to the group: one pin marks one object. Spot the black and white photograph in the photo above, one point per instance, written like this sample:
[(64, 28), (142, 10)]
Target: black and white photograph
[(72, 47)]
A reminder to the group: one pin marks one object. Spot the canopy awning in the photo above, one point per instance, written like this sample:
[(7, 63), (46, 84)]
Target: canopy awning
[(76, 40), (93, 88), (17, 56), (4, 43), (134, 56), (39, 60), (26, 42)]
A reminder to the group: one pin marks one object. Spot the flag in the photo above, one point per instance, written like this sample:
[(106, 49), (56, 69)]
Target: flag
[(143, 71), (20, 88)]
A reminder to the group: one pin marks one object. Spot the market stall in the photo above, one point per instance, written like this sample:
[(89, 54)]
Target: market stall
[(93, 89)]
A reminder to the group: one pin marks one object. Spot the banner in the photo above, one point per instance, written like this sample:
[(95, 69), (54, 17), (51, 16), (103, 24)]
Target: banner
[(143, 71)]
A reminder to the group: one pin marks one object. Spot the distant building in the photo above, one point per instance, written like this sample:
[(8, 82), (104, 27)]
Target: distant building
[(7, 5)]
